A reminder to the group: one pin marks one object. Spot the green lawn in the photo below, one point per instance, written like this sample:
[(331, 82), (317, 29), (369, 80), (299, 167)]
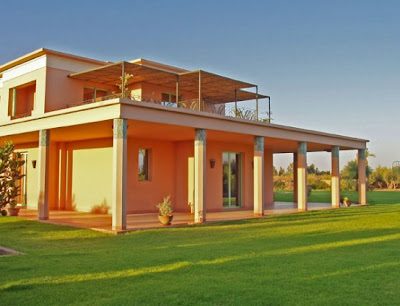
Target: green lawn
[(335, 257), (319, 196)]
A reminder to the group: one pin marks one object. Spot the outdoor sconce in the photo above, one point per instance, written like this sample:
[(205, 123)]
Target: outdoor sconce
[(34, 164), (212, 163)]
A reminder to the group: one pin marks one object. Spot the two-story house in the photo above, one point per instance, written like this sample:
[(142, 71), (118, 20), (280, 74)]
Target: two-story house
[(124, 135)]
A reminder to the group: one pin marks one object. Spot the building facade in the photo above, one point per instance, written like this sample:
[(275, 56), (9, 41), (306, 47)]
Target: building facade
[(121, 136)]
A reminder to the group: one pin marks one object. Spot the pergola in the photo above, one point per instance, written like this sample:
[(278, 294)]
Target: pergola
[(209, 86)]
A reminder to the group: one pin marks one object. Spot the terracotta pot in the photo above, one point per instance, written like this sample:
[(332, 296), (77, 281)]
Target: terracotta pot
[(13, 211), (165, 220)]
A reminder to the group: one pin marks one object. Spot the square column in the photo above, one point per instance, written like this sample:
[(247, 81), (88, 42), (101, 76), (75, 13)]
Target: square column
[(120, 153), (62, 176), (200, 147), (259, 182), (302, 176), (335, 184), (43, 182), (295, 177), (269, 178), (362, 177)]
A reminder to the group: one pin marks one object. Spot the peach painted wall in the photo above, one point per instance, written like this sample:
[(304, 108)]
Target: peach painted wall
[(62, 90), (214, 175), (143, 196), (25, 99), (155, 92), (32, 177), (184, 150), (89, 175)]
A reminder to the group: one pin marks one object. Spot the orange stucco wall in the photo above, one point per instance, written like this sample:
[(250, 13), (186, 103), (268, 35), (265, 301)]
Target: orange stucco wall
[(89, 174), (143, 196), (62, 91), (25, 99)]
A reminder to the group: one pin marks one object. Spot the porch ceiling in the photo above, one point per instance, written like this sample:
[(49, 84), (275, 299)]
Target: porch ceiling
[(215, 88)]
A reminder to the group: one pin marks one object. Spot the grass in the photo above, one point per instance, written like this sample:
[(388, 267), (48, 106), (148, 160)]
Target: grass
[(324, 196), (335, 257)]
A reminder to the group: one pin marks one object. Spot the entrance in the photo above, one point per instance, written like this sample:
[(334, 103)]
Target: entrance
[(232, 179)]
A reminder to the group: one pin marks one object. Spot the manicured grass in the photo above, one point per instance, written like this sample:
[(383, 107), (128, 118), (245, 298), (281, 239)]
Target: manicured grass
[(335, 257), (322, 196)]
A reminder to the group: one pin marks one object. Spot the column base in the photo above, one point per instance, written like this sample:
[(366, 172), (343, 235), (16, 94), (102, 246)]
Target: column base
[(43, 218), (119, 228), (258, 215)]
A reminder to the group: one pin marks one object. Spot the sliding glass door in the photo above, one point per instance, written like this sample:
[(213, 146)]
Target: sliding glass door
[(231, 179)]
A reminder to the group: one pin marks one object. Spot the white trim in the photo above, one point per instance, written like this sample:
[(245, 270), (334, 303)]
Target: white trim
[(68, 64), (25, 68)]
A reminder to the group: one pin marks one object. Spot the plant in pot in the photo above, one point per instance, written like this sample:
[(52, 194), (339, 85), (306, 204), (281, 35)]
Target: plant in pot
[(10, 175), (165, 211)]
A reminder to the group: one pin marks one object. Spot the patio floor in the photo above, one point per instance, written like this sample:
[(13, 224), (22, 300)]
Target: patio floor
[(149, 220)]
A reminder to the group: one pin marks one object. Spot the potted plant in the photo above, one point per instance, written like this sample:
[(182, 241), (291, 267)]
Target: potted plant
[(10, 174), (165, 211), (347, 202)]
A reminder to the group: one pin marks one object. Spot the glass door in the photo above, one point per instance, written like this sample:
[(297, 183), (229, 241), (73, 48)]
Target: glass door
[(231, 179)]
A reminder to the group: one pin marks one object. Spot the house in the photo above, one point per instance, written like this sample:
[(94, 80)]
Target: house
[(124, 135)]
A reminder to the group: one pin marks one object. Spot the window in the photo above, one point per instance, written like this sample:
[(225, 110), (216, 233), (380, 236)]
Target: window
[(169, 99), (94, 94), (144, 157), (22, 100)]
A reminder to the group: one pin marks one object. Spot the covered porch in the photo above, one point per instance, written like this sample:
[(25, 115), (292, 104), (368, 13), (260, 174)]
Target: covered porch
[(83, 165)]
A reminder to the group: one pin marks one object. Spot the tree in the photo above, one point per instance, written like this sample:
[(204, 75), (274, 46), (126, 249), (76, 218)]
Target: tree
[(350, 171), (391, 177), (289, 169), (10, 174), (312, 169), (377, 177), (281, 171)]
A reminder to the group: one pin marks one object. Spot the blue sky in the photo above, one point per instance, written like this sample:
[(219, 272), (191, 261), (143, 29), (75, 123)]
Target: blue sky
[(328, 65)]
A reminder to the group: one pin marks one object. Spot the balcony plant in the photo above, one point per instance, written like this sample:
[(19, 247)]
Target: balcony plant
[(165, 211), (10, 175)]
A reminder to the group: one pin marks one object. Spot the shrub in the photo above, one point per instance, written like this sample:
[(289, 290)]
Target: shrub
[(10, 174)]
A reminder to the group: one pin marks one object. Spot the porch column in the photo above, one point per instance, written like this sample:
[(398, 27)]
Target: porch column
[(269, 178), (295, 177), (119, 174), (362, 176), (63, 176), (335, 184), (200, 175), (259, 182), (302, 176), (43, 170)]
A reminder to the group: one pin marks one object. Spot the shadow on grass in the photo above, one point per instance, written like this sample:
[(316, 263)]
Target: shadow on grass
[(127, 273)]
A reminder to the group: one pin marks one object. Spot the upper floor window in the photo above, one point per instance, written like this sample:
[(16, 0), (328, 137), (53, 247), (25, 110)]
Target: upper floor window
[(144, 164), (94, 94), (22, 100), (169, 99)]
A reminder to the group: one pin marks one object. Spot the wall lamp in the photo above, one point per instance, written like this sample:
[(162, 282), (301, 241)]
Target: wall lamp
[(212, 163)]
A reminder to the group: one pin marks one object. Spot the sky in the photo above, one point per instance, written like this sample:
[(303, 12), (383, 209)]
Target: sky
[(331, 66)]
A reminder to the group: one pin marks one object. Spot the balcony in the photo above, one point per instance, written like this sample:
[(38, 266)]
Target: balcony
[(196, 90), (193, 105)]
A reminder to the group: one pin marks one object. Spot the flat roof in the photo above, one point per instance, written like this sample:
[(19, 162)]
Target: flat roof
[(42, 51)]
